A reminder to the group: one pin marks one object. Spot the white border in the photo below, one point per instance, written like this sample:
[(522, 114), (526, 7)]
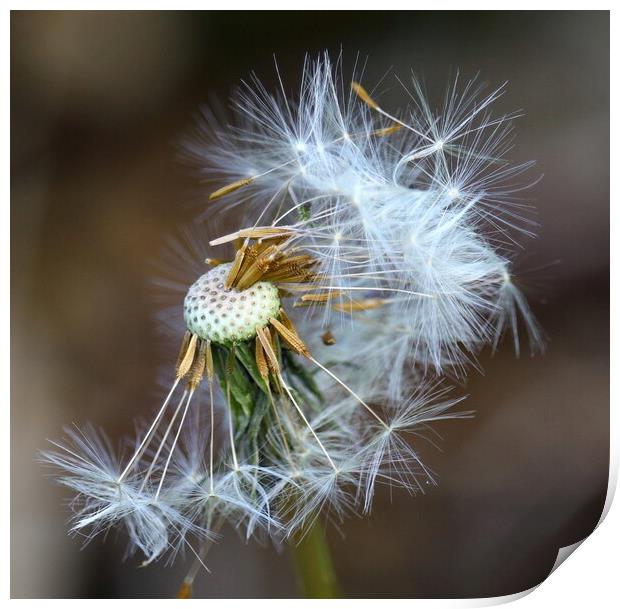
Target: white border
[(588, 577)]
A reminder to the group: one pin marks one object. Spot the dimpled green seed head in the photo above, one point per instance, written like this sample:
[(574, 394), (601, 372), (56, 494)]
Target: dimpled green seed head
[(224, 316)]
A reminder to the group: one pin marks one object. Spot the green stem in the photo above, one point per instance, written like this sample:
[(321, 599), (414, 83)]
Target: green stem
[(315, 569)]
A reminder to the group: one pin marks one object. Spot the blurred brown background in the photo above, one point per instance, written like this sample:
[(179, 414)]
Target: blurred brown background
[(99, 103)]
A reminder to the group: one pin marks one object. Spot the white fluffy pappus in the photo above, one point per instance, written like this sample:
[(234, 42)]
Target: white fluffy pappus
[(104, 498), (419, 209)]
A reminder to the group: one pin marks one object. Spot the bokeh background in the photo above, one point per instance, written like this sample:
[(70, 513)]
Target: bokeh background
[(99, 102)]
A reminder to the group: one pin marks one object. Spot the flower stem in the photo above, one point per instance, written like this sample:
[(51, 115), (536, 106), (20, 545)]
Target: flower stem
[(315, 569)]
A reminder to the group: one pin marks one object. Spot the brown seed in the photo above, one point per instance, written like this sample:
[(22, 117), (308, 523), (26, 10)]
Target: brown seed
[(261, 362), (264, 336), (220, 192), (364, 96), (359, 305), (188, 358), (387, 130), (328, 338), (291, 337)]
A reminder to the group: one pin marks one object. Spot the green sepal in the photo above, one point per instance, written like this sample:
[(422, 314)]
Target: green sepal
[(294, 368)]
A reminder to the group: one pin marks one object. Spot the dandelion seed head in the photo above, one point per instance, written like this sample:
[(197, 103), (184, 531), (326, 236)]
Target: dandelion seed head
[(371, 261)]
